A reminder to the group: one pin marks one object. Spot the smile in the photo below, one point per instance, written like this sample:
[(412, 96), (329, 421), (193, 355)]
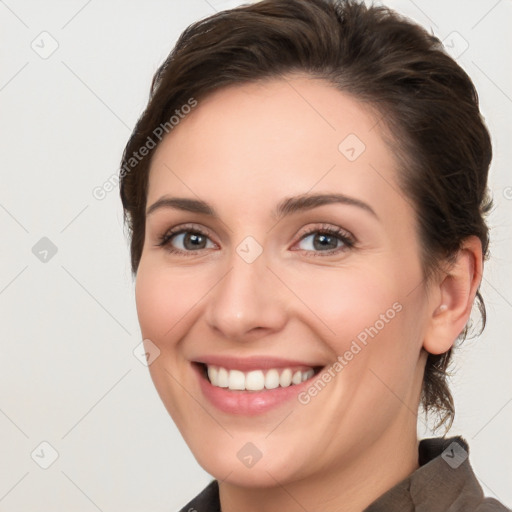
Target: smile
[(257, 380), (254, 386)]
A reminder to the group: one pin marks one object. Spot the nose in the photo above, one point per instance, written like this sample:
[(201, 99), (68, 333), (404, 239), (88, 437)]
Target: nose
[(248, 302)]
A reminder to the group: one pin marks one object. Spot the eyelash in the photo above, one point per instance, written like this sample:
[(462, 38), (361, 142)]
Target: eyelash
[(347, 240)]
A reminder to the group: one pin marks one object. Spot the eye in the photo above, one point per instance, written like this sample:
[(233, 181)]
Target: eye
[(321, 240), (185, 240), (326, 239)]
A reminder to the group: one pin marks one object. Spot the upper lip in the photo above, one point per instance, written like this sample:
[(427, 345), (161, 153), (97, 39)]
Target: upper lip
[(253, 362)]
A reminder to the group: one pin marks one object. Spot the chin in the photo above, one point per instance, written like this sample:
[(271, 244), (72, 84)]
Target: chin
[(250, 464)]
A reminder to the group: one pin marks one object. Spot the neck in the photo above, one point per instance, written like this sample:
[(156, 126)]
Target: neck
[(347, 487)]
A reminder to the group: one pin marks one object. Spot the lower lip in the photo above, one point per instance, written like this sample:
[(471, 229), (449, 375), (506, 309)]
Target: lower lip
[(248, 403)]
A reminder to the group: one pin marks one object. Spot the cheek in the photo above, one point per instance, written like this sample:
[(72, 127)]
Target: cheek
[(370, 321), (346, 301), (162, 301)]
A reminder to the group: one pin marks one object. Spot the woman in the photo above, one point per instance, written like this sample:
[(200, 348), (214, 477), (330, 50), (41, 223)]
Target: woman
[(306, 195)]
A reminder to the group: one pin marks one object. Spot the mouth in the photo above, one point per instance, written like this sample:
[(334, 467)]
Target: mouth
[(250, 388), (257, 379)]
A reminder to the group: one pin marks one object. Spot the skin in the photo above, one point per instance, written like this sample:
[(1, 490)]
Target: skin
[(243, 149)]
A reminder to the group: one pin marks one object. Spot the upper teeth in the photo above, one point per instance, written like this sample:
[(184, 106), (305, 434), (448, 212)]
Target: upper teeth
[(256, 380)]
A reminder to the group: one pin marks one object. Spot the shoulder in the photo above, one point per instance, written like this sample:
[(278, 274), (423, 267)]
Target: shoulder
[(491, 505)]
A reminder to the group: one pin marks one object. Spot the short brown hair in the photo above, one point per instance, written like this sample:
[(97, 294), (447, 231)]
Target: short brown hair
[(424, 97)]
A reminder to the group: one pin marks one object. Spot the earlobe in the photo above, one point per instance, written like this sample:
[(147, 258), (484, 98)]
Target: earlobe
[(451, 305)]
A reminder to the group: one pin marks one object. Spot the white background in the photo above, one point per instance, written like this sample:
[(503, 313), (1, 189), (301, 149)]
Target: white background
[(68, 327)]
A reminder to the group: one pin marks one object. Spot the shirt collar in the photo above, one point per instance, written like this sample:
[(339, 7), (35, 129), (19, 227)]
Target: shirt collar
[(444, 481)]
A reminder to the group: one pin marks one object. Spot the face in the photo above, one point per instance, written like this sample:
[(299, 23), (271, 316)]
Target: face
[(288, 270)]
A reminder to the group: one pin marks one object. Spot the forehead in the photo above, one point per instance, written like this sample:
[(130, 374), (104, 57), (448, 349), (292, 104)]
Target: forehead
[(273, 138), (293, 106)]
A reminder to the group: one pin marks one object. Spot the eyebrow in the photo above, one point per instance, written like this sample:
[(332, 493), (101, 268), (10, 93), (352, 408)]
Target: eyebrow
[(288, 206)]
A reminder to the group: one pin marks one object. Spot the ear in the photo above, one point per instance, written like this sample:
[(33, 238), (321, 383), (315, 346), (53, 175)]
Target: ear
[(452, 298)]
